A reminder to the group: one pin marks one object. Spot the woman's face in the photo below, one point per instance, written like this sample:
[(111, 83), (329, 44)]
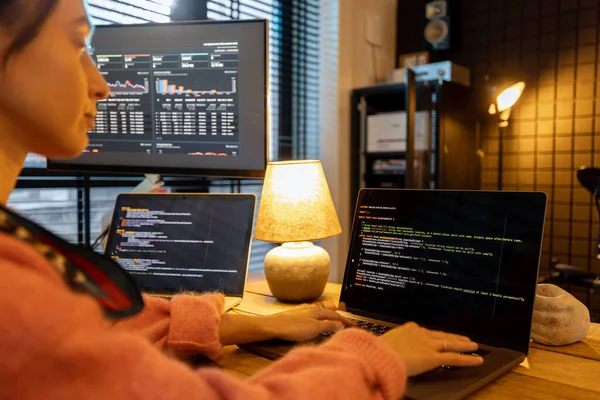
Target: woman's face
[(49, 89)]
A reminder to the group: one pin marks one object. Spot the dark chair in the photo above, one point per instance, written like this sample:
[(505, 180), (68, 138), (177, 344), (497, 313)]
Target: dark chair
[(570, 276)]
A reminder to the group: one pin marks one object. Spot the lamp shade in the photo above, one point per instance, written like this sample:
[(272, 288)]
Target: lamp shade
[(296, 204)]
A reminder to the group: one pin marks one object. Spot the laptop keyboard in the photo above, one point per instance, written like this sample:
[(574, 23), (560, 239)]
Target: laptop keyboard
[(375, 329)]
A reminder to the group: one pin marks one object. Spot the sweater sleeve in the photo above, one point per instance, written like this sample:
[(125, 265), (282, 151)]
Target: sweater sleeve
[(186, 325), (56, 344)]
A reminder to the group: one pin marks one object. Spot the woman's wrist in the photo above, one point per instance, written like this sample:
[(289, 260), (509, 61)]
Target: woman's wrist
[(298, 324), (240, 329)]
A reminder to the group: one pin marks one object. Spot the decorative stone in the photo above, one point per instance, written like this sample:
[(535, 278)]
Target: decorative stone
[(558, 317)]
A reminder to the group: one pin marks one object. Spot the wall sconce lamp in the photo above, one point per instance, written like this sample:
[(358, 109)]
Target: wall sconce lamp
[(502, 106)]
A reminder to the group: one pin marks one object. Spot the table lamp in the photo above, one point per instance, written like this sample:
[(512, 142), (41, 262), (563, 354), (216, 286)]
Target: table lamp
[(295, 209)]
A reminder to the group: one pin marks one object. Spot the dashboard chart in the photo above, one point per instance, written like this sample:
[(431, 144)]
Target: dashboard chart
[(177, 102), (127, 87)]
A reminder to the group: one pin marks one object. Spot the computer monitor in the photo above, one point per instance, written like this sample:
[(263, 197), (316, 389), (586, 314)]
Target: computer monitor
[(186, 99)]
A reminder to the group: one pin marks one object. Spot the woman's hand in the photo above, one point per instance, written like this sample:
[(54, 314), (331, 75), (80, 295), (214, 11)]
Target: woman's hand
[(307, 322), (304, 322), (423, 350)]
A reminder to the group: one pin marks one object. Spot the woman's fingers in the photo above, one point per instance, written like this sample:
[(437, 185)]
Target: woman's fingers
[(456, 346), (451, 345), (459, 360), (329, 326), (326, 314)]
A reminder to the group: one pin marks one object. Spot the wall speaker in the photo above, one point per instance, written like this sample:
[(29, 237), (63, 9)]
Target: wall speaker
[(437, 25)]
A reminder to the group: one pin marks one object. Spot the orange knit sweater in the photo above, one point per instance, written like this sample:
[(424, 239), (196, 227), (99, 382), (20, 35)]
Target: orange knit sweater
[(56, 345)]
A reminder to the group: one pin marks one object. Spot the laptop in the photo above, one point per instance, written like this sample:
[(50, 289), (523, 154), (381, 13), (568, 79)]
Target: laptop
[(465, 262), (173, 243)]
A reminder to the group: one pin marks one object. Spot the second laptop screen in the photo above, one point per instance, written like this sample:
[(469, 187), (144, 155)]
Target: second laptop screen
[(174, 243)]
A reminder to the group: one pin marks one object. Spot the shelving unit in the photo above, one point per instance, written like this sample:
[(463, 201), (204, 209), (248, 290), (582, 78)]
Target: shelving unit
[(439, 109)]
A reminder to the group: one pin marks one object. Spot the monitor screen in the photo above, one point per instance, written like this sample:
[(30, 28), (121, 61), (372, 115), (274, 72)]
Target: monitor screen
[(177, 242), (460, 261), (186, 98)]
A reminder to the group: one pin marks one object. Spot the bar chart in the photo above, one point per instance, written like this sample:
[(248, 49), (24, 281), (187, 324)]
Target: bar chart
[(170, 87)]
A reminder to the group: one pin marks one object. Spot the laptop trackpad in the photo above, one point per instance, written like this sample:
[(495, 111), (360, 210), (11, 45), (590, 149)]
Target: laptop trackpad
[(450, 384)]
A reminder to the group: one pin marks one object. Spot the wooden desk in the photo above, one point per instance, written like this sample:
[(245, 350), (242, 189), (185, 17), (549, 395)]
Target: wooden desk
[(567, 372)]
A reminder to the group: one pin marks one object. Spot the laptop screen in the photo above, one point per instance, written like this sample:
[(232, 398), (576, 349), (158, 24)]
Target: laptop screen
[(177, 242), (460, 261)]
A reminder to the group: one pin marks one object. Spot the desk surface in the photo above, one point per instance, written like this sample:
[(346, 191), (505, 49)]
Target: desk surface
[(566, 372)]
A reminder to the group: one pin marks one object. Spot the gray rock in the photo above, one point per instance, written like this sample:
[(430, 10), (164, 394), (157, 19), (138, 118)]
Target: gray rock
[(558, 317)]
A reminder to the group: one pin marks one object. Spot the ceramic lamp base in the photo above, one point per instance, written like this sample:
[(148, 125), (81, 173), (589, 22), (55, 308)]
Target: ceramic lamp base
[(297, 272)]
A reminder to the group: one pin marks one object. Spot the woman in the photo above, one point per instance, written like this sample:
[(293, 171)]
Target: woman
[(55, 339)]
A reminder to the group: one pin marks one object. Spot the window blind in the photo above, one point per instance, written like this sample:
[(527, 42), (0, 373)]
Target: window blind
[(53, 208), (105, 12)]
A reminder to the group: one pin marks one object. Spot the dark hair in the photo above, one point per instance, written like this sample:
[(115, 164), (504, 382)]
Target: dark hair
[(12, 13)]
